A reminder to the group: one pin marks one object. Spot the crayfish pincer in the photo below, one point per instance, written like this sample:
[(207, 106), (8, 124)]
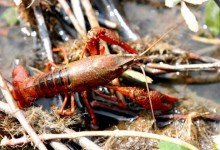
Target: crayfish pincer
[(77, 76)]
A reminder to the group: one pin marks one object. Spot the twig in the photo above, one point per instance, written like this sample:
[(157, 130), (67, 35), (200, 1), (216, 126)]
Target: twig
[(19, 115), (194, 56), (43, 32), (116, 133), (58, 145), (85, 143), (154, 71), (187, 67), (206, 40), (4, 107), (74, 21), (105, 22), (90, 13), (77, 9), (203, 79), (148, 91)]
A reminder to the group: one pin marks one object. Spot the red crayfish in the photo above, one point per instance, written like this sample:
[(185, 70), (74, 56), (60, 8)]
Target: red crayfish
[(85, 74)]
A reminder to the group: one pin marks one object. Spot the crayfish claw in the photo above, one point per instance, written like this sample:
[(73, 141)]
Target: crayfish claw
[(97, 33), (161, 101), (168, 99)]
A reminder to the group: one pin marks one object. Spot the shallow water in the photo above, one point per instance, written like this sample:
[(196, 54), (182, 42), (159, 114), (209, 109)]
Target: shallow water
[(157, 21)]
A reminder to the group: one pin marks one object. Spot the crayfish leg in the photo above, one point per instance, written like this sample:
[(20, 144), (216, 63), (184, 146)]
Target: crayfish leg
[(84, 95), (49, 65), (63, 112), (112, 38), (102, 50), (120, 103), (83, 52), (63, 52)]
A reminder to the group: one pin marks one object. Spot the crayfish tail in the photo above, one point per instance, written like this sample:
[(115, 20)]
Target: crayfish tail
[(19, 74)]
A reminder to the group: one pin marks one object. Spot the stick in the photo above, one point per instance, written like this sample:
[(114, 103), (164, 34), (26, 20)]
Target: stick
[(116, 133), (78, 13), (107, 23), (4, 107), (43, 32), (19, 115), (215, 41), (85, 143), (58, 145), (90, 13), (74, 21), (208, 66)]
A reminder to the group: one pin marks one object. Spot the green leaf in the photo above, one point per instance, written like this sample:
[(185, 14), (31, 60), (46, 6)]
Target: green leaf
[(212, 17), (164, 145), (9, 15)]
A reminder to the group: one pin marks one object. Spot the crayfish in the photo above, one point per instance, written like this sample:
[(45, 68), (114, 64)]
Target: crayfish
[(85, 74)]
